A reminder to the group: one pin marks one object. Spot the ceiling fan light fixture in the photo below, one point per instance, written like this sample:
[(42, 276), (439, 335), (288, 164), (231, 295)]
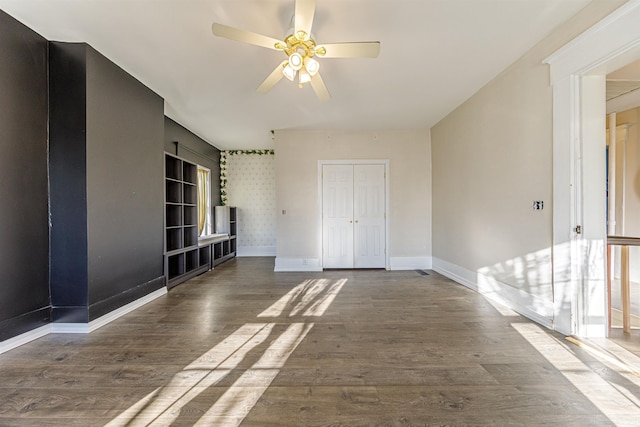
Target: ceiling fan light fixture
[(300, 48), (312, 66), (295, 61), (289, 72), (304, 77)]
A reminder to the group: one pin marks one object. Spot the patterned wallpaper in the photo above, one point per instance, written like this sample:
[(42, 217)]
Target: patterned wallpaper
[(249, 183)]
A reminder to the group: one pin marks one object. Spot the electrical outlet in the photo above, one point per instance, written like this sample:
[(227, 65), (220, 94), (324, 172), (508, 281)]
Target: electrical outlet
[(538, 205)]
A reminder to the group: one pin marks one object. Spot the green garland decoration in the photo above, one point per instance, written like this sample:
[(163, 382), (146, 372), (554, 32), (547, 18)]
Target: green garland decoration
[(223, 167)]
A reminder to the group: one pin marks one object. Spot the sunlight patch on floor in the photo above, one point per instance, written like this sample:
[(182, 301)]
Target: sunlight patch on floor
[(616, 401), (164, 405), (279, 306), (236, 403)]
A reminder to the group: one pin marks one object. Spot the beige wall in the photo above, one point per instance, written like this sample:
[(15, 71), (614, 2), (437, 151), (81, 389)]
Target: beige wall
[(492, 157), (297, 156)]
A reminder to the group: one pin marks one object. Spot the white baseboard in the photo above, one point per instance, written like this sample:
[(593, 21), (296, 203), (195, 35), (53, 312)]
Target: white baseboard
[(297, 264), (410, 263), (85, 328), (22, 339), (78, 328), (256, 251), (313, 264), (533, 307), (458, 274)]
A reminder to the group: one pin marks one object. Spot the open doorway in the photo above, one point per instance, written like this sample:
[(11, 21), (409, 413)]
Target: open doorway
[(578, 73), (623, 199)]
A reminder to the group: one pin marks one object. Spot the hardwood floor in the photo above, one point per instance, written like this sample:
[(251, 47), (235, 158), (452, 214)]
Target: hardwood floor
[(242, 345)]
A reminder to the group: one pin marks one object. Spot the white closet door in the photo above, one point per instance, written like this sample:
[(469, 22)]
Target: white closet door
[(369, 216), (337, 213), (353, 216)]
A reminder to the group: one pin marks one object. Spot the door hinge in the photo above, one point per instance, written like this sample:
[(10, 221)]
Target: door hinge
[(578, 229)]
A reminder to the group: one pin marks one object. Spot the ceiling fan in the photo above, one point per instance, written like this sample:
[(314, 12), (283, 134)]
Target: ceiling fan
[(301, 50)]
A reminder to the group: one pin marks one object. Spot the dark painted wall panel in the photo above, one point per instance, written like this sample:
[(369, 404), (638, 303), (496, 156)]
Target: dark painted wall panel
[(24, 236), (196, 150), (68, 183), (107, 133), (125, 133)]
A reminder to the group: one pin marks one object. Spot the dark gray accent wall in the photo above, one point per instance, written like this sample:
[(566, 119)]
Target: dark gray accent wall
[(107, 137), (24, 235), (182, 142), (125, 161), (68, 182)]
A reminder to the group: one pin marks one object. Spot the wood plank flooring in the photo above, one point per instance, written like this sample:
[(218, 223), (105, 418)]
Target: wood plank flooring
[(242, 345)]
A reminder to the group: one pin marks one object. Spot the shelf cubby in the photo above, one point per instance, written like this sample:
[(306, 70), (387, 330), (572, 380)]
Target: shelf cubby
[(173, 191), (190, 236), (190, 215), (173, 168), (175, 266), (174, 239), (217, 250), (190, 193), (189, 173), (174, 215), (192, 259), (205, 255)]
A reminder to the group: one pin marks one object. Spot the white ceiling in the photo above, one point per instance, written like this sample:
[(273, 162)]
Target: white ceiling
[(434, 55)]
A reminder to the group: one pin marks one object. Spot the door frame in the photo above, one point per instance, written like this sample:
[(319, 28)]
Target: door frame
[(387, 204), (577, 74)]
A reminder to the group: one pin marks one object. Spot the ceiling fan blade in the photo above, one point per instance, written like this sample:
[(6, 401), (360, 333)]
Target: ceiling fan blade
[(303, 18), (237, 34), (319, 88), (351, 50), (273, 78)]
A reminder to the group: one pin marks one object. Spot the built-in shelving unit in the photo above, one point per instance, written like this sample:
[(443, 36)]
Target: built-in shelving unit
[(226, 224), (183, 257), (186, 254)]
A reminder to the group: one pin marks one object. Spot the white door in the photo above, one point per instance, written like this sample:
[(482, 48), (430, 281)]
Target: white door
[(337, 213), (353, 207), (369, 216)]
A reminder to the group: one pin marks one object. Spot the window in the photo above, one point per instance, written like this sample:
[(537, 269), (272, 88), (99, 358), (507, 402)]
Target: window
[(205, 221)]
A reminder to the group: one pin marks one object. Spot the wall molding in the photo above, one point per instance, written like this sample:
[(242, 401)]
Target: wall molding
[(78, 328), (515, 299), (297, 264), (410, 263), (604, 45)]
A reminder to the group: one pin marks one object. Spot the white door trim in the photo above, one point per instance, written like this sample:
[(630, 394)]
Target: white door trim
[(384, 162), (578, 71)]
